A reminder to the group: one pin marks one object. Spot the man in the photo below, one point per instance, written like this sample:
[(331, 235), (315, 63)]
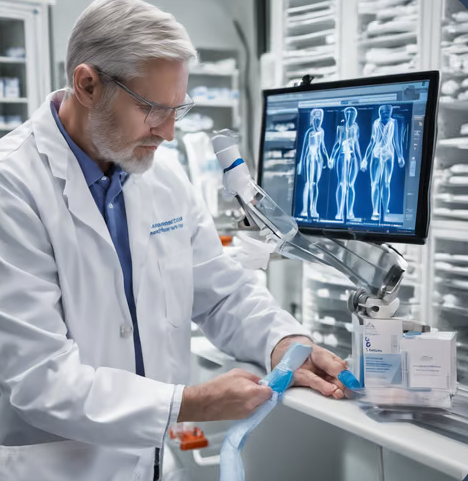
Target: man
[(104, 260)]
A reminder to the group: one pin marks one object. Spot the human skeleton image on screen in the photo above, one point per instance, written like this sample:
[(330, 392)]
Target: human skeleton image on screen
[(314, 158), (346, 163)]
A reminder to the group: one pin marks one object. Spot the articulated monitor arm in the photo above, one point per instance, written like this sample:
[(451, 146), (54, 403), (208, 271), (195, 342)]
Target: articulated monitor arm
[(376, 269)]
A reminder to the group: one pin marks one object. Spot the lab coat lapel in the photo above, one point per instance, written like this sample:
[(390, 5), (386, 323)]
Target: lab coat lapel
[(65, 166), (81, 202), (139, 208)]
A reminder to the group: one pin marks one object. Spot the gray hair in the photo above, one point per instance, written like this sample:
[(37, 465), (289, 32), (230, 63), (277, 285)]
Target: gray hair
[(119, 36)]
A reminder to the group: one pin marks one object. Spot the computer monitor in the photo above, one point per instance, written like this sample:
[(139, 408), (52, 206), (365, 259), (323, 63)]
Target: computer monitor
[(353, 159)]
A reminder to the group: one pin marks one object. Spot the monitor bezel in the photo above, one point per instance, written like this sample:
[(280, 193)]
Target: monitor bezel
[(428, 149)]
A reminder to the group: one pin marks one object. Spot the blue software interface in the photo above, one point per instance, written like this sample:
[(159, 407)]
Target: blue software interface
[(347, 158)]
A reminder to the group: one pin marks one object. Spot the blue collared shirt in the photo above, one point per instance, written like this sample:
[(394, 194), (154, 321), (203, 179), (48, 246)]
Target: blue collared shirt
[(108, 195)]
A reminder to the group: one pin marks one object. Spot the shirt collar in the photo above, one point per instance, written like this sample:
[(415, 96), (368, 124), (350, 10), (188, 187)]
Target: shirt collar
[(91, 170)]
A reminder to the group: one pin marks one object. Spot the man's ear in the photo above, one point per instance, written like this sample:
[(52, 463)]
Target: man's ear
[(87, 85)]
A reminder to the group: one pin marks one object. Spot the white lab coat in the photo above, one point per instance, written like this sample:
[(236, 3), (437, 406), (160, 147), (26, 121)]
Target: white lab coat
[(71, 407)]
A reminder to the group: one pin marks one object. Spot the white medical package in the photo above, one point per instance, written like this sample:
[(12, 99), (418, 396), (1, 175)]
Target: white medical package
[(430, 361), (381, 352)]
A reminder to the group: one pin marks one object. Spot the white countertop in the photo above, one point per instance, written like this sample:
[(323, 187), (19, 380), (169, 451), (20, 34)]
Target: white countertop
[(429, 448)]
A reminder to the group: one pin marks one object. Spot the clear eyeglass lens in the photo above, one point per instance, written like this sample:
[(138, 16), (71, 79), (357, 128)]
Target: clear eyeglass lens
[(158, 115), (182, 111)]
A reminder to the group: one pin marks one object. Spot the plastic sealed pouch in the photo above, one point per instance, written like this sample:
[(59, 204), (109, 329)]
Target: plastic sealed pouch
[(403, 413), (395, 396), (389, 416)]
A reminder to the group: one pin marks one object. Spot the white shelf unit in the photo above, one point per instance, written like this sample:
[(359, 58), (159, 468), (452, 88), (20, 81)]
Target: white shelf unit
[(324, 308), (19, 100), (224, 110), (447, 285), (229, 104), (23, 25), (309, 43), (389, 40), (213, 73), (12, 60), (216, 86)]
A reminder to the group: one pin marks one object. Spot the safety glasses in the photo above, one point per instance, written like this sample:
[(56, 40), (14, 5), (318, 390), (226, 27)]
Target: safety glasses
[(156, 114)]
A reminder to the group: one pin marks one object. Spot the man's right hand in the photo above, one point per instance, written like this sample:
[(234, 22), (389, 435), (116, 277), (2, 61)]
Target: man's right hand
[(231, 396)]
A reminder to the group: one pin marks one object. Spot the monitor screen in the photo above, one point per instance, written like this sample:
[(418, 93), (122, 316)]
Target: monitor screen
[(353, 158)]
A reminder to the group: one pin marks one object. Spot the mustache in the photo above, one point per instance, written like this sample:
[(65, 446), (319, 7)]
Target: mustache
[(151, 141)]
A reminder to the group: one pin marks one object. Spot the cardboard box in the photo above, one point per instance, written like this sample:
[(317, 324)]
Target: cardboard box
[(430, 361), (381, 350)]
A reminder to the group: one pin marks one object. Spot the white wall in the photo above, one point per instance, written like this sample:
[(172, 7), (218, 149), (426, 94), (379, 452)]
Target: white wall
[(209, 22)]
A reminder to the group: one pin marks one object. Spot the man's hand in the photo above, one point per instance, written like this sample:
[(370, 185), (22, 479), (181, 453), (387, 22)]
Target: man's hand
[(234, 395), (401, 161), (319, 372)]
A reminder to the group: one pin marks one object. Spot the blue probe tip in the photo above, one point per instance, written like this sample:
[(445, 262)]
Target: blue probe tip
[(348, 379)]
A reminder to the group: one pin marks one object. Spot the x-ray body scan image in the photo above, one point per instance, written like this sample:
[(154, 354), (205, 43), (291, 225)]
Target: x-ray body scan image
[(346, 158), (385, 146), (351, 163), (314, 157)]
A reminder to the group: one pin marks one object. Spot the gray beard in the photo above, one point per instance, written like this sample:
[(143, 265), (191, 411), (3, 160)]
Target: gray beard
[(105, 139)]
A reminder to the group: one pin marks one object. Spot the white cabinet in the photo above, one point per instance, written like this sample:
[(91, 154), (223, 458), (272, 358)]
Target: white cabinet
[(24, 61)]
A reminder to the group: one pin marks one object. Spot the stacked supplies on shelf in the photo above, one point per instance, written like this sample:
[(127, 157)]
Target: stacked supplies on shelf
[(386, 61), (310, 42), (452, 184), (450, 213), (384, 8), (451, 201), (455, 56), (388, 38), (450, 295)]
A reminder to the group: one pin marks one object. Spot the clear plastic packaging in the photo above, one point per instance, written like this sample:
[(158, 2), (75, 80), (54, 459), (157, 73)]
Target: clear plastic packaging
[(451, 422), (391, 397)]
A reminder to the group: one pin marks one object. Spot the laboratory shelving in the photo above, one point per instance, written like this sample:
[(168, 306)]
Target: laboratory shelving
[(217, 72), (448, 283), (217, 86), (388, 37), (307, 40), (374, 37), (24, 60)]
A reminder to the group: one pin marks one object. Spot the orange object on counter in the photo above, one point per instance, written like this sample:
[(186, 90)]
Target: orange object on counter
[(226, 240), (189, 439)]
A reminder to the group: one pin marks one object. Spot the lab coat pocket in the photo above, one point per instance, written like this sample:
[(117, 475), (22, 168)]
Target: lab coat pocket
[(177, 276), (65, 461)]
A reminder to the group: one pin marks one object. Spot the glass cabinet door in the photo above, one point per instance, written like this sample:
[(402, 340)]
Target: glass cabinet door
[(13, 85), (24, 61)]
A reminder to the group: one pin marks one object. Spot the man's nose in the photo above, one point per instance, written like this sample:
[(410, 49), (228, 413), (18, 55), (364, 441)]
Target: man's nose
[(166, 130)]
